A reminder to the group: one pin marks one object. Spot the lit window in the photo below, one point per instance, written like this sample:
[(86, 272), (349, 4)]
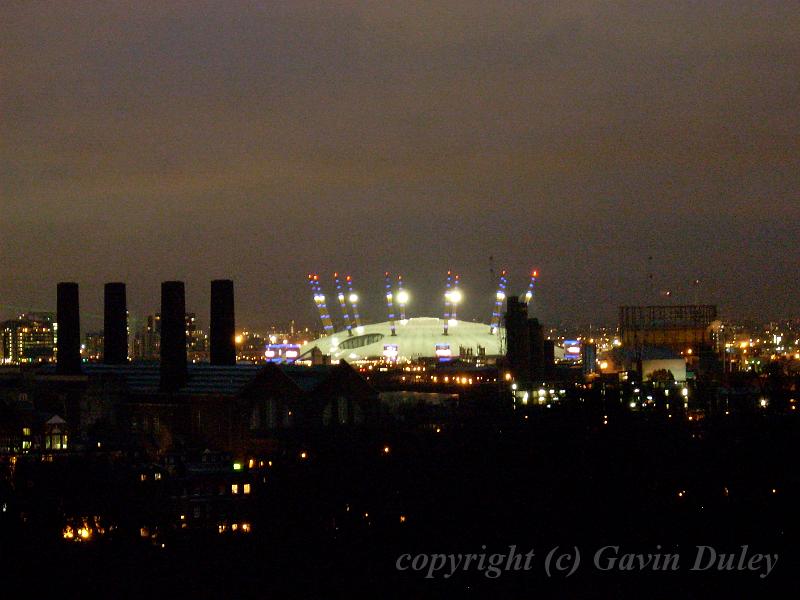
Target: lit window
[(26, 431), (246, 488), (157, 476), (234, 488)]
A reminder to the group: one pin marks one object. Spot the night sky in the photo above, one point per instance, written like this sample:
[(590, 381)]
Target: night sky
[(144, 141)]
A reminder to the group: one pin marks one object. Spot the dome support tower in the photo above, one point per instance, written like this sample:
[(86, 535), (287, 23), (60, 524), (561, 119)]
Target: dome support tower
[(343, 304), (390, 301), (499, 298), (531, 286), (319, 300), (352, 297), (447, 286)]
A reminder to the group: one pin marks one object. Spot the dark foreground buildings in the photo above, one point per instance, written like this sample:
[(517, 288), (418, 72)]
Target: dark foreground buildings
[(529, 357), (172, 405)]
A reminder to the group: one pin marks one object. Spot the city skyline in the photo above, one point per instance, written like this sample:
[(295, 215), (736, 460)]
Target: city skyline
[(453, 298), (260, 142), (475, 308)]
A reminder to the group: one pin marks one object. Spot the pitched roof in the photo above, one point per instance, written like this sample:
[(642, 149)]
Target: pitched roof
[(308, 378)]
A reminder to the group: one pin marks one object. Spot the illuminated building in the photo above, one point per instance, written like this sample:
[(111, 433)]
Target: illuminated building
[(92, 347), (150, 338), (30, 338), (415, 338), (282, 353), (148, 341), (251, 347)]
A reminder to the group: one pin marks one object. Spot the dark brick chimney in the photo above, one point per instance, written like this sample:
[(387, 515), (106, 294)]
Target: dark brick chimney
[(223, 323), (173, 336), (115, 325), (68, 346)]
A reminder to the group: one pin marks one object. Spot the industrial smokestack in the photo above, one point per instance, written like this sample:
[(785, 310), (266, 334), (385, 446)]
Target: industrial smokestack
[(115, 325), (173, 335), (68, 317), (223, 323)]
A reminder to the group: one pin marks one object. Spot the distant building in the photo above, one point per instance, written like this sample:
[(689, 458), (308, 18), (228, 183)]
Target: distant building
[(679, 328), (250, 347), (197, 347), (152, 338), (647, 361), (415, 338), (589, 352), (28, 339), (92, 348), (147, 341), (688, 331)]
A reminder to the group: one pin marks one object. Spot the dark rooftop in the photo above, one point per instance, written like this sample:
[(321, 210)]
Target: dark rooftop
[(204, 378)]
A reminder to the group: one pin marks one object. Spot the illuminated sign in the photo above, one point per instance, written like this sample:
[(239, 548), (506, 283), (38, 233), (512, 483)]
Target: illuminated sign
[(390, 351), (443, 352), (279, 353), (572, 349)]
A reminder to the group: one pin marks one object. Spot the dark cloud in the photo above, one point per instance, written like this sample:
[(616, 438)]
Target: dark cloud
[(144, 141)]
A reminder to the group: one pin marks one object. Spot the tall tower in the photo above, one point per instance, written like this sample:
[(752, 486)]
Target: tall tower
[(455, 297), (223, 323), (319, 300), (518, 339), (531, 286), (390, 301), (352, 297), (402, 297), (447, 288), (342, 303), (499, 298), (173, 336), (115, 324), (68, 343)]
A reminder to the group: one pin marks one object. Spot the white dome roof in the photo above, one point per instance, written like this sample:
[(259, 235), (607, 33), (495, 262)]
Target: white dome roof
[(416, 338)]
